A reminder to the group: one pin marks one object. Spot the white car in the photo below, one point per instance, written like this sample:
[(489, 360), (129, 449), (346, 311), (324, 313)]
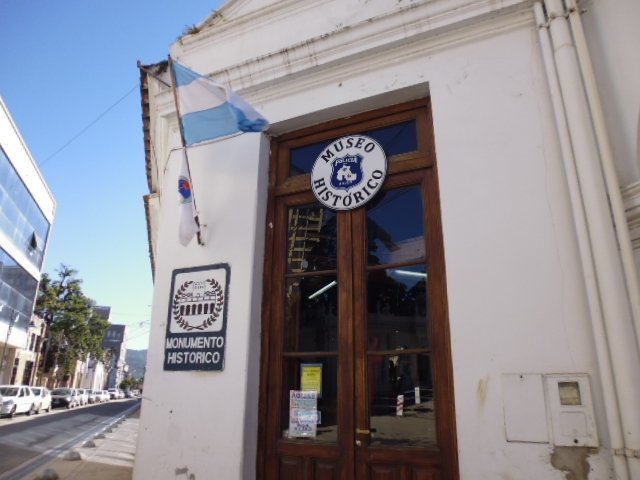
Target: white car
[(94, 396), (83, 396), (104, 396), (16, 399), (43, 398)]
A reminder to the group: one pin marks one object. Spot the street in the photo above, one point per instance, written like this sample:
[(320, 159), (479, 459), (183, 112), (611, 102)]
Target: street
[(27, 442)]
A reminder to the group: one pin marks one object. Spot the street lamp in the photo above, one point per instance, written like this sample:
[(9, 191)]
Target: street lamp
[(13, 318)]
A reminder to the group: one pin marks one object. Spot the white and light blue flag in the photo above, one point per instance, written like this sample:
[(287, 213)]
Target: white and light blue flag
[(209, 110)]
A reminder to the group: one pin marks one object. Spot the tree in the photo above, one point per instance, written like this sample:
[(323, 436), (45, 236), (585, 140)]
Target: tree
[(75, 329), (127, 383)]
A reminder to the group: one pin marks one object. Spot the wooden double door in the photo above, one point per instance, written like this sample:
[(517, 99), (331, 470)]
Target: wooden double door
[(355, 311)]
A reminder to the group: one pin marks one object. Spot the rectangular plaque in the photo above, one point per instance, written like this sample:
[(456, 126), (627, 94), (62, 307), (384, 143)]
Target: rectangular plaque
[(197, 318)]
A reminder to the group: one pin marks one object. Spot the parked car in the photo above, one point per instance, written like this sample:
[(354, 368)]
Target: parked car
[(43, 398), (113, 394), (16, 399), (104, 396), (93, 396), (83, 395), (64, 397)]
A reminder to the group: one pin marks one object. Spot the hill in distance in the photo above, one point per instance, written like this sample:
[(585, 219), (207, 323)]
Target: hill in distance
[(137, 360)]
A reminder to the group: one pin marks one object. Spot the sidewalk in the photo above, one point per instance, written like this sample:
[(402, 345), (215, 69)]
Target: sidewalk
[(110, 459)]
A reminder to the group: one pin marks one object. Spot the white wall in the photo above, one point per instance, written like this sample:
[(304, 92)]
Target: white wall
[(516, 295), (611, 28), (213, 413)]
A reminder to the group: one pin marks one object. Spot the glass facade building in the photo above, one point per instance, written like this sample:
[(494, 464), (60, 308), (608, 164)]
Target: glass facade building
[(25, 227), (27, 210)]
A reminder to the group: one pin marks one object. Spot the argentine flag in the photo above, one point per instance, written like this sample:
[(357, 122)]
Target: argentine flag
[(209, 110)]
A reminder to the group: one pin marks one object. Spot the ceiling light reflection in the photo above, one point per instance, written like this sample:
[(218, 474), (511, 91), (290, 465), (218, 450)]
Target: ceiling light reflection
[(323, 289), (409, 273)]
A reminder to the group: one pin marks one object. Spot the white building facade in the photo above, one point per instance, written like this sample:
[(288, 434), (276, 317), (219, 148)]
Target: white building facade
[(96, 373), (115, 342), (27, 209), (477, 318)]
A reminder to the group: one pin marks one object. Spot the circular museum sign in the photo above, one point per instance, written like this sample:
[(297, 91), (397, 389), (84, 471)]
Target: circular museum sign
[(349, 172)]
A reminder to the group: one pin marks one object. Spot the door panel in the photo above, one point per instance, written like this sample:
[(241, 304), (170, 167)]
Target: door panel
[(326, 471), (291, 467), (395, 472), (355, 309)]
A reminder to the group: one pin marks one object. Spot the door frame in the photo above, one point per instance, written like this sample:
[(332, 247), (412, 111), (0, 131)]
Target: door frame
[(281, 185)]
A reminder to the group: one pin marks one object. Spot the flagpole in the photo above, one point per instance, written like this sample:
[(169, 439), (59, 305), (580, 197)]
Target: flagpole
[(184, 146)]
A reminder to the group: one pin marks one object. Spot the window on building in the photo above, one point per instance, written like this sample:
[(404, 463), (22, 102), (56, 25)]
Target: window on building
[(21, 219), (17, 289)]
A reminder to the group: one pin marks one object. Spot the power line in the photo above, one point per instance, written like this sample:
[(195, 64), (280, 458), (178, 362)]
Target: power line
[(91, 124), (140, 335)]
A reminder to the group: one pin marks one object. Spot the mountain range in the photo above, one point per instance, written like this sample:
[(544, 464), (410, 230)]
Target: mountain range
[(137, 361)]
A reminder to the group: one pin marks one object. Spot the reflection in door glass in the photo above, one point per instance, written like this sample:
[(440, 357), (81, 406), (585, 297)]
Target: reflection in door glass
[(397, 314), (311, 239), (401, 400), (323, 377), (311, 314), (395, 229)]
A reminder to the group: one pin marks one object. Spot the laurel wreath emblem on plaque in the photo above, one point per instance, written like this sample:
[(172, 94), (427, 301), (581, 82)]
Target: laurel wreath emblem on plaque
[(215, 293)]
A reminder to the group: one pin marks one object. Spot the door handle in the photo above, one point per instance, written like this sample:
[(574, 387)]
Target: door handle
[(363, 431)]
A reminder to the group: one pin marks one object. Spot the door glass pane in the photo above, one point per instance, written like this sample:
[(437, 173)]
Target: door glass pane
[(394, 140), (395, 231), (397, 309), (401, 407), (312, 373), (311, 239), (311, 314)]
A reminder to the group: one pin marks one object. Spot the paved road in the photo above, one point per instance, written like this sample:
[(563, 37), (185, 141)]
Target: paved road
[(28, 442)]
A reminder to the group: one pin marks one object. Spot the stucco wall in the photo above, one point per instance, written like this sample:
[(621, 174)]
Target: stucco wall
[(198, 422)]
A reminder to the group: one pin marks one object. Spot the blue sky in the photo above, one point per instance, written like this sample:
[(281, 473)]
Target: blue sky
[(63, 64)]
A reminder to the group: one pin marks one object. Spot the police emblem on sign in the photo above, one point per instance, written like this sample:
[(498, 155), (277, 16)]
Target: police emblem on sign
[(346, 172), (349, 172)]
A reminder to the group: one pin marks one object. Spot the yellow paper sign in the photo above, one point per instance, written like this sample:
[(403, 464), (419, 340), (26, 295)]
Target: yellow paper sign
[(311, 377)]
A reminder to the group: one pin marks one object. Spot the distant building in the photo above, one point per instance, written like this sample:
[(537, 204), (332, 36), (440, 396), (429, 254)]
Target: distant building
[(95, 377), (27, 209), (103, 312), (115, 343)]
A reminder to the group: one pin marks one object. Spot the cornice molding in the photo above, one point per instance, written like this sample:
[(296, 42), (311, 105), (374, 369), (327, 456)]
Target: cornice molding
[(282, 81), (297, 70), (407, 26), (224, 26)]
